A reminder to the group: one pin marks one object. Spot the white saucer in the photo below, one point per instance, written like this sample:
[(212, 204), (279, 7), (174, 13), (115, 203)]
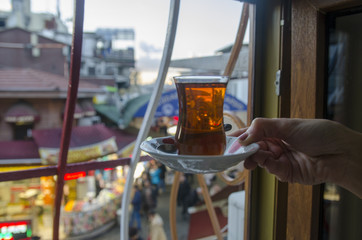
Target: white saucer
[(163, 150)]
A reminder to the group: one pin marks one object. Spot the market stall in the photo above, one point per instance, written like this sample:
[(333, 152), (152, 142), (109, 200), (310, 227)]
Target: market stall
[(83, 218)]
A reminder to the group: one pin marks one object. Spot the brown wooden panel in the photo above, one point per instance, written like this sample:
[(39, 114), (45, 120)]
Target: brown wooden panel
[(299, 212), (333, 5), (307, 48), (303, 64), (307, 61)]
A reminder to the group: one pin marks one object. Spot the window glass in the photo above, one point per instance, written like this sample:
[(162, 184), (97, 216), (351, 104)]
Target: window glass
[(121, 53), (342, 211)]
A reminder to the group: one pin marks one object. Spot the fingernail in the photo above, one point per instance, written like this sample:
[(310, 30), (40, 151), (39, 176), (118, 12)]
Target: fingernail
[(233, 148), (242, 137), (237, 144)]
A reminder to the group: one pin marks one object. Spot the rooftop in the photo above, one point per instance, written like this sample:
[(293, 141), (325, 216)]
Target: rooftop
[(34, 83)]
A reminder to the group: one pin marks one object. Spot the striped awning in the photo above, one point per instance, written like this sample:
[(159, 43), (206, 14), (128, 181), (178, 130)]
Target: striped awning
[(87, 107), (21, 113), (86, 143), (78, 111)]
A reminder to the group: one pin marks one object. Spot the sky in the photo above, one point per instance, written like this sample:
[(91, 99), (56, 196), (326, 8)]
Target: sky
[(204, 25)]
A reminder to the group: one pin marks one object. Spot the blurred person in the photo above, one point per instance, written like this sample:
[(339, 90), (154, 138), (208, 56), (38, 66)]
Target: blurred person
[(163, 170), (214, 186), (156, 230), (190, 178), (66, 191), (184, 191), (194, 197), (163, 124), (99, 183), (144, 177), (208, 177), (136, 207), (155, 173), (149, 199), (134, 234)]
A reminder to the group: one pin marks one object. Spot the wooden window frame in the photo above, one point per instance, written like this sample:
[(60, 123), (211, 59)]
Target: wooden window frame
[(303, 59)]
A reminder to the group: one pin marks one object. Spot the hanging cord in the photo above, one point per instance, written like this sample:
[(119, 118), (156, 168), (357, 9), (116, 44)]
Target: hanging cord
[(235, 51), (150, 112), (228, 72)]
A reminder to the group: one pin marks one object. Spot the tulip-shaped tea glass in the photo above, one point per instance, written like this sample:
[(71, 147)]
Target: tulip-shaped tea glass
[(200, 129)]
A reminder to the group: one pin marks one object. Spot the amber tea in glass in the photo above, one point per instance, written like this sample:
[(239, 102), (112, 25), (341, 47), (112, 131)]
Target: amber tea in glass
[(200, 129)]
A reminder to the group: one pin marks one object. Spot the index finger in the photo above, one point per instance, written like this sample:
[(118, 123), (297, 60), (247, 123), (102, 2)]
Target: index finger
[(262, 128)]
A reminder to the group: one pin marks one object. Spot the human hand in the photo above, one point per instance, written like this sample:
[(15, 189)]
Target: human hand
[(307, 151)]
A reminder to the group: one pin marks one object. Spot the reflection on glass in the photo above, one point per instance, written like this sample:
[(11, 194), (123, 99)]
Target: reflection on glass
[(342, 211)]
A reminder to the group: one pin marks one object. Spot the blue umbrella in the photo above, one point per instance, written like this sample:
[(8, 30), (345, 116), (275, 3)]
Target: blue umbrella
[(168, 106), (231, 103)]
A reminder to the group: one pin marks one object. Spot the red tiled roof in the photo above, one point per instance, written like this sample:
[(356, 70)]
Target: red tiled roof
[(100, 81), (34, 80)]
